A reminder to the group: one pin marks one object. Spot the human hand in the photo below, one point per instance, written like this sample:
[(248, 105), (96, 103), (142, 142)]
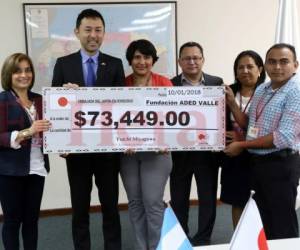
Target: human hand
[(232, 136), (70, 85), (64, 155), (129, 151), (230, 99), (233, 149), (163, 151), (39, 126)]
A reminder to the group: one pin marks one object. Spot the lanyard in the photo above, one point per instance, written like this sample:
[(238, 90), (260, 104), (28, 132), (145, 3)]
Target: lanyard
[(259, 112), (241, 104)]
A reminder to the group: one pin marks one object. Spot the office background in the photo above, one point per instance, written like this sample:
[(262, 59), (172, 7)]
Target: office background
[(223, 28)]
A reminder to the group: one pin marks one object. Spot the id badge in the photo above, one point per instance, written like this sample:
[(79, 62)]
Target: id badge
[(252, 132)]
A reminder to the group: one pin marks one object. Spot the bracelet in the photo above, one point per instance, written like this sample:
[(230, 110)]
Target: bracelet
[(26, 133)]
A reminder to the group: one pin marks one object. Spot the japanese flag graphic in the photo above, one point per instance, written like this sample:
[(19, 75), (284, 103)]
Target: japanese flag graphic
[(62, 101)]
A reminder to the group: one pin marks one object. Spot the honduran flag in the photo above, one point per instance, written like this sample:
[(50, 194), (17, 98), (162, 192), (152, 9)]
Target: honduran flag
[(172, 236), (249, 233)]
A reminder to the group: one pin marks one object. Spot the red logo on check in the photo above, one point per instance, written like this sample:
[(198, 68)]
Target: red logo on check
[(201, 136), (62, 101)]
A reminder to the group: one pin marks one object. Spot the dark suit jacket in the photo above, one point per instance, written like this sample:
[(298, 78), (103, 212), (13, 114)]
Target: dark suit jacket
[(110, 72), (209, 80), (69, 69), (16, 162), (195, 157)]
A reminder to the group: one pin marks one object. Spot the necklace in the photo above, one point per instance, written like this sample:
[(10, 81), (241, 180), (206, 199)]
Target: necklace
[(247, 104), (145, 82), (29, 107), (31, 110)]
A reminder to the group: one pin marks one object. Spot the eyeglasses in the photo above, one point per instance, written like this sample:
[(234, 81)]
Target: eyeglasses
[(195, 59)]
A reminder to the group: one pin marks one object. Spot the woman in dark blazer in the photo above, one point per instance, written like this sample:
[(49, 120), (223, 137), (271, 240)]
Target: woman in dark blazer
[(23, 166)]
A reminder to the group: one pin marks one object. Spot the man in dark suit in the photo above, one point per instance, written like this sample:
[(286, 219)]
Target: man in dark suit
[(202, 164), (90, 67)]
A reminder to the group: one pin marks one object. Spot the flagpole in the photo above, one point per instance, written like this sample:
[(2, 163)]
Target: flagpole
[(252, 192), (249, 234)]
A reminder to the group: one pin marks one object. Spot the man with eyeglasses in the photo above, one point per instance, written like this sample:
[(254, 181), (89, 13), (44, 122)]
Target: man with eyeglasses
[(273, 140), (202, 164)]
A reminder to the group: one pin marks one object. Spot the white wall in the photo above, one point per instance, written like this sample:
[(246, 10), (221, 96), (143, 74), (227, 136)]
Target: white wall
[(223, 27)]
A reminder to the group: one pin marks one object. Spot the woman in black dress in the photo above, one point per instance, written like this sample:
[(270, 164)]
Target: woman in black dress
[(235, 176)]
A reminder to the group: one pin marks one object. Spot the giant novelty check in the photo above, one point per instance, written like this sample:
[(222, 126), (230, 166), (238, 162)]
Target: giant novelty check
[(88, 120)]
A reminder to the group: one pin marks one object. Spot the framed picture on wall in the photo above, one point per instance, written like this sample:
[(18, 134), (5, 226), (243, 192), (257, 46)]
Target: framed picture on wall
[(49, 32)]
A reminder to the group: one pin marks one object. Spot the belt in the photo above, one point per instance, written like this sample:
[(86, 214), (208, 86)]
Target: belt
[(280, 154)]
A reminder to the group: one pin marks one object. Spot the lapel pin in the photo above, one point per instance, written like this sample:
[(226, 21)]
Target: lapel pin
[(103, 63)]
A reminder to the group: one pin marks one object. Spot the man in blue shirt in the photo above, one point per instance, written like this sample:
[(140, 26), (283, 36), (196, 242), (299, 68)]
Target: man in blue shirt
[(273, 140)]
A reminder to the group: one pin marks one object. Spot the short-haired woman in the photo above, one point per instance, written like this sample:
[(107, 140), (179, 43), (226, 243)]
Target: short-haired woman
[(23, 166), (145, 174)]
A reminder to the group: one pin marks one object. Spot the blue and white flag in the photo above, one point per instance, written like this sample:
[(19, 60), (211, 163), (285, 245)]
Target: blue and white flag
[(172, 236)]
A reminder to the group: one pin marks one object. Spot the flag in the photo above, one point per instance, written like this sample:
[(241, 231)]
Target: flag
[(249, 233), (172, 236), (62, 101), (287, 31)]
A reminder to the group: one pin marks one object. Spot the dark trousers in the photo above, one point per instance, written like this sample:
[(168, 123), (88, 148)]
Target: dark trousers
[(20, 199), (105, 169), (275, 179), (204, 166)]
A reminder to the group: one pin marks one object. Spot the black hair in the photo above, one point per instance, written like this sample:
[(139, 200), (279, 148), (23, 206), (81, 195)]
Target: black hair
[(282, 46), (143, 46), (88, 13), (258, 62), (191, 44)]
